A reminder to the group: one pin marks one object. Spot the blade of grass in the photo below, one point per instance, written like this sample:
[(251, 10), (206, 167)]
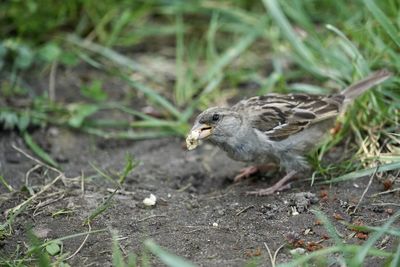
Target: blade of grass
[(362, 173), (361, 64), (332, 232), (35, 249), (166, 257), (383, 20), (243, 17), (329, 228), (152, 94), (396, 259), (121, 107), (117, 258), (212, 53), (211, 86), (351, 249), (358, 259), (121, 20), (303, 54), (101, 208), (60, 239), (111, 55), (130, 165), (276, 12), (6, 185), (103, 174), (38, 150), (228, 56), (364, 228), (131, 135), (180, 88)]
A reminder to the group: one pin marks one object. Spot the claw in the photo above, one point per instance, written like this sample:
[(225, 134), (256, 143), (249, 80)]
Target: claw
[(245, 173), (249, 171), (281, 185)]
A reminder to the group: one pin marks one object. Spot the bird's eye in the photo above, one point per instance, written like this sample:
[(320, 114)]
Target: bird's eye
[(215, 117)]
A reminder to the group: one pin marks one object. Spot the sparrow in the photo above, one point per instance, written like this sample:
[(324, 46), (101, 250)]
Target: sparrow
[(276, 128)]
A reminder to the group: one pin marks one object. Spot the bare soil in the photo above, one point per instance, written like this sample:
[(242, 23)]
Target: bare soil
[(200, 214)]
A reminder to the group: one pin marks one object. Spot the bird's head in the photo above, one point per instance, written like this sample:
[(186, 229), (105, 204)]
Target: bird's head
[(215, 124)]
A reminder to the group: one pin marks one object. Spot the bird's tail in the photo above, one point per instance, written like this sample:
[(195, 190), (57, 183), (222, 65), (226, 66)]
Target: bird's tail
[(360, 87)]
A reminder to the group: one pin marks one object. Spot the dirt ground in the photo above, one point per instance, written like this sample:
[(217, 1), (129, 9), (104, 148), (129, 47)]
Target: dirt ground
[(200, 214)]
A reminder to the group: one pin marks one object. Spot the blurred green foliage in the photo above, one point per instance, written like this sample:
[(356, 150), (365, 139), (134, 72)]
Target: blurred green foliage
[(302, 46)]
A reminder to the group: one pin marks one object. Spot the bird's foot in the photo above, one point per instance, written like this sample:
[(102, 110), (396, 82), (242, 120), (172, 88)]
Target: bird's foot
[(281, 185), (249, 171), (245, 173)]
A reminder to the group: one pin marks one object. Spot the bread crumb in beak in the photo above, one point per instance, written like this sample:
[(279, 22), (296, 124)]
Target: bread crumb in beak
[(192, 140)]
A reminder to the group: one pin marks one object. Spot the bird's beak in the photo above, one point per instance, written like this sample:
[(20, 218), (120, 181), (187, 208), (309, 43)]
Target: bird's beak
[(198, 132), (201, 131)]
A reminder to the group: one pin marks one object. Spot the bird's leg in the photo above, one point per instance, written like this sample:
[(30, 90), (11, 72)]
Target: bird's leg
[(282, 184), (249, 171)]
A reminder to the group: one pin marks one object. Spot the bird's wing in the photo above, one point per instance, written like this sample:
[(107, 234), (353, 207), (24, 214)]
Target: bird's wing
[(280, 116)]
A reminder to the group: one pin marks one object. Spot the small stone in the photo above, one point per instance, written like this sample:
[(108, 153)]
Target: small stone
[(150, 201), (298, 251)]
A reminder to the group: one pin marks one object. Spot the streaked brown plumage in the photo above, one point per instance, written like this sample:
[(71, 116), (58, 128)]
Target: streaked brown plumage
[(276, 127)]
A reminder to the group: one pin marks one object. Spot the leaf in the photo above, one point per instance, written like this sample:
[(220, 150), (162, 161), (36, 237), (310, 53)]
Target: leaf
[(94, 91), (79, 112), (49, 52), (24, 57), (23, 121), (54, 248), (9, 119), (69, 58)]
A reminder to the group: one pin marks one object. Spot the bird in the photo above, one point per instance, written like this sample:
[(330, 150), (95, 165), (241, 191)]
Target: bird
[(276, 129)]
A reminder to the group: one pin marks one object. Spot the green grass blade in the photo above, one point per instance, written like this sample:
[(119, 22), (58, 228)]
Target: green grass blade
[(117, 258), (101, 208), (241, 15), (130, 165), (276, 12), (211, 86), (103, 174), (6, 185), (351, 249), (329, 227), (166, 257), (228, 56), (153, 95), (362, 173), (72, 236), (385, 22), (364, 228), (129, 134), (111, 55), (360, 61), (180, 88), (35, 248), (38, 150), (396, 259), (122, 20), (363, 252)]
